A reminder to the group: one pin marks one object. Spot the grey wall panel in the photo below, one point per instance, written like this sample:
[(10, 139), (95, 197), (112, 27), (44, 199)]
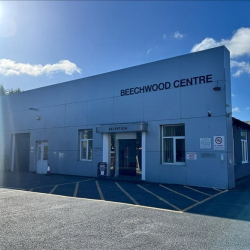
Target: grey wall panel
[(161, 105), (55, 116), (20, 120), (206, 127), (84, 168), (153, 138), (152, 166), (71, 134), (101, 110), (128, 109), (97, 143), (36, 119), (197, 100), (38, 135), (47, 96), (100, 87), (199, 178), (76, 114), (16, 102), (175, 174), (56, 138), (33, 161), (151, 73), (77, 91), (7, 122), (209, 62)]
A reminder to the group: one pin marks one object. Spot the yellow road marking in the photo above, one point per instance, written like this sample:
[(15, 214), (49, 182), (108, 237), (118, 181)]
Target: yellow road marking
[(126, 204), (95, 200), (76, 189), (178, 193), (159, 198), (197, 191), (99, 190), (53, 189), (200, 202), (61, 184), (129, 196)]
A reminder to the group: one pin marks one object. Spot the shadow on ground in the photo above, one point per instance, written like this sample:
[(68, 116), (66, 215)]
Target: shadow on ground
[(232, 204)]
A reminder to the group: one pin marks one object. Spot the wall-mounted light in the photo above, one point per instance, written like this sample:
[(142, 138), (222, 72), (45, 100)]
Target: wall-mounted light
[(208, 113), (217, 88), (38, 118)]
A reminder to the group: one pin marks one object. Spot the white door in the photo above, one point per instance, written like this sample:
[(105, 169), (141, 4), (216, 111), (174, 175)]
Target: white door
[(42, 157)]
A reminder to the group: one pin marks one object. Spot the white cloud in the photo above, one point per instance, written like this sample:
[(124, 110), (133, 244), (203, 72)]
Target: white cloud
[(10, 68), (233, 95), (164, 36), (149, 51), (236, 109), (247, 108), (178, 35), (241, 67), (238, 45)]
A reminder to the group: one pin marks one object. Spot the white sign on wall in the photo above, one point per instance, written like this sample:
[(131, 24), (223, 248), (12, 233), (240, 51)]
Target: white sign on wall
[(191, 156), (205, 143), (219, 143)]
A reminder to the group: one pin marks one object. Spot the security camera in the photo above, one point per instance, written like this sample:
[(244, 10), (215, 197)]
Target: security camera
[(208, 113)]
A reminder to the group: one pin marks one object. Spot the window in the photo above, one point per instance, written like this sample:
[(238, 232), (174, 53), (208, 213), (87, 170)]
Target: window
[(86, 145), (173, 144), (244, 147)]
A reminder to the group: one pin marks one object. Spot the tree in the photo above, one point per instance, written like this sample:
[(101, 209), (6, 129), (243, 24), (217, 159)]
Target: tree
[(10, 91), (2, 90)]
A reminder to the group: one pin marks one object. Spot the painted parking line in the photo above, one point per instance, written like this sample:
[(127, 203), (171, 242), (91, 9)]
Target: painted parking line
[(161, 199), (200, 202), (128, 195), (76, 189), (53, 189), (198, 191), (178, 193), (217, 189), (99, 190), (52, 185)]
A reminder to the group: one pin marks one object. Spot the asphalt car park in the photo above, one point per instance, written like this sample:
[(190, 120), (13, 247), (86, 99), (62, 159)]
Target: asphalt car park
[(72, 212), (163, 196)]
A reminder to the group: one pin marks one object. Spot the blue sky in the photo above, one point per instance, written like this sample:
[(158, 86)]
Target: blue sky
[(44, 42)]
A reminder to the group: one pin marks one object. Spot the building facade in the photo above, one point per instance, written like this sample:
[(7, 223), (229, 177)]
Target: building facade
[(167, 122)]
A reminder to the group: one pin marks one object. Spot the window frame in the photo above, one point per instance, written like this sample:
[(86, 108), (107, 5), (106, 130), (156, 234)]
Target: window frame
[(87, 148), (174, 145), (244, 149)]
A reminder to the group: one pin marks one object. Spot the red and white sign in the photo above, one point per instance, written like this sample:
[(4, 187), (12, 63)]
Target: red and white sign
[(219, 143), (191, 156)]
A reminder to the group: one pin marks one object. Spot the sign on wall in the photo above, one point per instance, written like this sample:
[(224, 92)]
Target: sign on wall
[(205, 143), (219, 143), (191, 156)]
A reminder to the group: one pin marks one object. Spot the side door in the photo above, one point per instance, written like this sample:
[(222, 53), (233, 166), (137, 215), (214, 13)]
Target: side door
[(42, 157)]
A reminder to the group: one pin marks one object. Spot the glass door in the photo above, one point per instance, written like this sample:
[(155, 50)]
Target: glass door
[(127, 157)]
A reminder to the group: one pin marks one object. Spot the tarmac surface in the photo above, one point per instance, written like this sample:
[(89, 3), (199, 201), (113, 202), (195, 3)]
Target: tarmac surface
[(69, 212)]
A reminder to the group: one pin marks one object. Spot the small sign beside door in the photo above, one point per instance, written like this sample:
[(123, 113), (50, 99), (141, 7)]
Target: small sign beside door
[(191, 156)]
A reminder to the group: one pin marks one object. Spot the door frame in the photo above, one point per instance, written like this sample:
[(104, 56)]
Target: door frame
[(38, 143)]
